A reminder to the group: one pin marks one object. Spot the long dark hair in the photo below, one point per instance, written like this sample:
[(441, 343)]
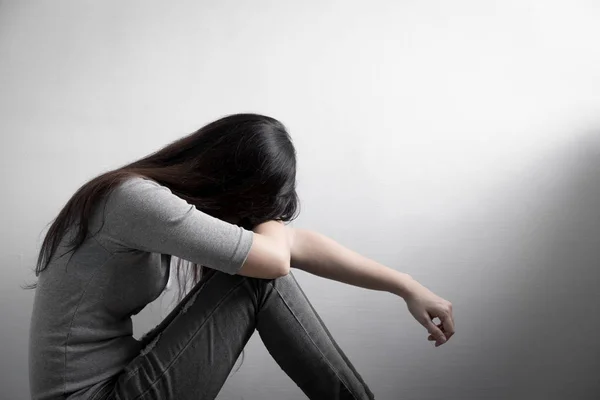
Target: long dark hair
[(240, 168)]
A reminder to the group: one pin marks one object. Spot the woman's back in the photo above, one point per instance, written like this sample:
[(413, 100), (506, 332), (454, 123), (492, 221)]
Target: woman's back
[(81, 327)]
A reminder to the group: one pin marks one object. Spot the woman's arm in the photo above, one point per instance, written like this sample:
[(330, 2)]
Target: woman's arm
[(322, 256), (319, 255)]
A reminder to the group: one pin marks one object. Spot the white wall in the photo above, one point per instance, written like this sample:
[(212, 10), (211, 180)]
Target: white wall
[(456, 141)]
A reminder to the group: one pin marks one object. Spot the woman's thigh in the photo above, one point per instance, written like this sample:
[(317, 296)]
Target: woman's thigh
[(190, 354)]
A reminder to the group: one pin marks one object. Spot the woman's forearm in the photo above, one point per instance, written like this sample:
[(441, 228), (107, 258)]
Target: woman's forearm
[(317, 254)]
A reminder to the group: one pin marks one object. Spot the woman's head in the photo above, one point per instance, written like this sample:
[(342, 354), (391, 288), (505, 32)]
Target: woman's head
[(239, 168)]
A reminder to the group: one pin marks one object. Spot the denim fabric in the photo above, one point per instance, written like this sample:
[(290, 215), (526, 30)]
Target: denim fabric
[(190, 354)]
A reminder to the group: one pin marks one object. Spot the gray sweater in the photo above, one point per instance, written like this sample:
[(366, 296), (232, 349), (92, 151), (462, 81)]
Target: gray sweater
[(81, 327)]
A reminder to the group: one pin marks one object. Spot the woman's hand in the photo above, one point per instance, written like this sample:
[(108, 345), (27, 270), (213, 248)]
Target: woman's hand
[(425, 306)]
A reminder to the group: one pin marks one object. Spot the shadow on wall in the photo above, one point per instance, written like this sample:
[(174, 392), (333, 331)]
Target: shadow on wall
[(527, 315), (548, 346)]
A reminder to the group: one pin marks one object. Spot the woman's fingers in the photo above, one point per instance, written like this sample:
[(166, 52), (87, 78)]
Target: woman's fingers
[(446, 326), (435, 331), (440, 326)]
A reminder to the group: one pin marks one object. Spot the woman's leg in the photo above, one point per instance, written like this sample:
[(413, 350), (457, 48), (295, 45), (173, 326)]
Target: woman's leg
[(301, 344), (191, 353)]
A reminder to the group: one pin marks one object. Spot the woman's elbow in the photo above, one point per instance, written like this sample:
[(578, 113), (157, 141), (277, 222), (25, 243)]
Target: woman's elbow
[(285, 266)]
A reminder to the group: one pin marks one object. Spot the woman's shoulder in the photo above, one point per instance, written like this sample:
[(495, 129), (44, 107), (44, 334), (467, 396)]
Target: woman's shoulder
[(143, 197), (135, 186), (137, 181)]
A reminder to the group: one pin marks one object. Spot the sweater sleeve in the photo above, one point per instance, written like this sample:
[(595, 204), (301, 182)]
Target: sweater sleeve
[(142, 214)]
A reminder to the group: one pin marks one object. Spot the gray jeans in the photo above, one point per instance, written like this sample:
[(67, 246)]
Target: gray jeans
[(190, 354)]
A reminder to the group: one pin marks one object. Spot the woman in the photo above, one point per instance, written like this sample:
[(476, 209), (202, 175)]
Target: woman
[(218, 199)]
